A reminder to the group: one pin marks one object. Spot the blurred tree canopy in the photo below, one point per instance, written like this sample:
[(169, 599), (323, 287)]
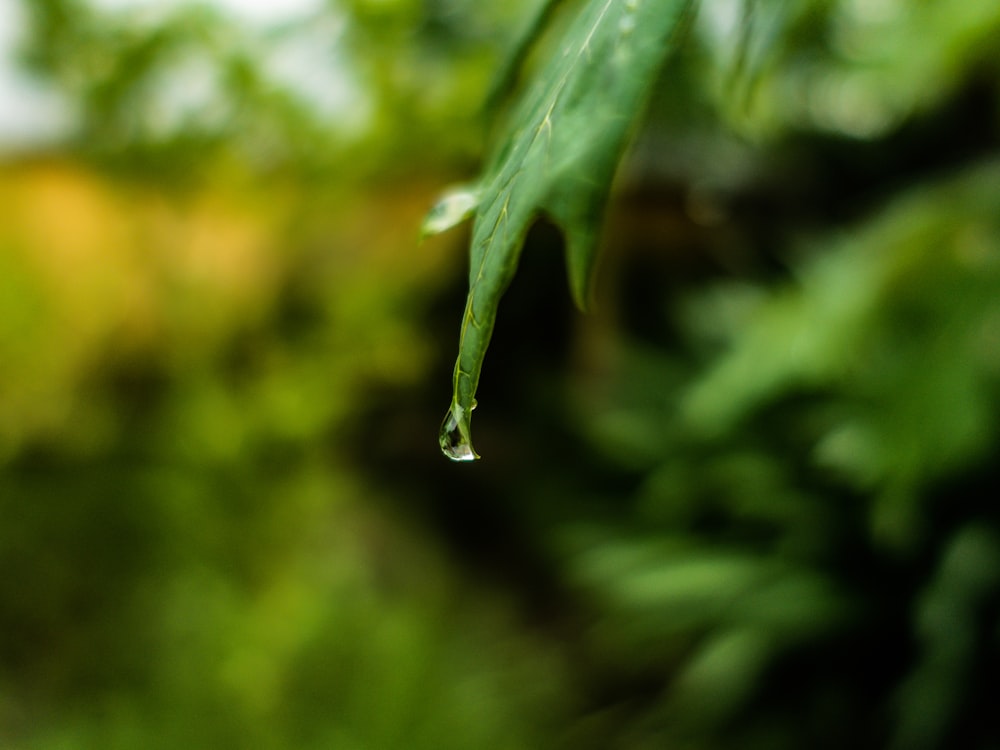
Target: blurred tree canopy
[(749, 501)]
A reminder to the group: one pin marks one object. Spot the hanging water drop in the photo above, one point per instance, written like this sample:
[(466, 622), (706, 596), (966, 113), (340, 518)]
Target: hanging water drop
[(454, 439)]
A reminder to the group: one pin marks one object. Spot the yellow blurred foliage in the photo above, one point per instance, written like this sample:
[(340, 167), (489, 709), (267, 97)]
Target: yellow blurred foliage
[(95, 270)]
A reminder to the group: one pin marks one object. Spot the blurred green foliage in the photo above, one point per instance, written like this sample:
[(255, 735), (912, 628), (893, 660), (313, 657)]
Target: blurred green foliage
[(750, 501)]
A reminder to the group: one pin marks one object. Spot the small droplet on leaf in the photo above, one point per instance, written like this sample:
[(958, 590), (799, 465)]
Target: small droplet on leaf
[(452, 209), (455, 441)]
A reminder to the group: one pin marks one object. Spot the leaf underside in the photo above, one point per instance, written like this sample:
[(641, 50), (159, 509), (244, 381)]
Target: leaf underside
[(556, 156)]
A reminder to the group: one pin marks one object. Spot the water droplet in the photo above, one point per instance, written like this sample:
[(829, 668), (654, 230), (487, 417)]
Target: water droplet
[(454, 207), (454, 439)]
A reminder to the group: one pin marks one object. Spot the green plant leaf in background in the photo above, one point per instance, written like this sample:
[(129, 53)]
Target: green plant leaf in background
[(556, 156)]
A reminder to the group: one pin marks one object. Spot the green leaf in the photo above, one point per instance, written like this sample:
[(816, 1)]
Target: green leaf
[(557, 156)]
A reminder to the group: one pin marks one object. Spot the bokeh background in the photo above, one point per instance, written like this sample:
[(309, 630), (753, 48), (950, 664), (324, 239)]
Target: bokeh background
[(748, 501)]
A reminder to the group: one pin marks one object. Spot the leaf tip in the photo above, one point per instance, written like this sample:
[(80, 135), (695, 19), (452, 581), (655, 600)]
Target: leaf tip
[(581, 258)]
